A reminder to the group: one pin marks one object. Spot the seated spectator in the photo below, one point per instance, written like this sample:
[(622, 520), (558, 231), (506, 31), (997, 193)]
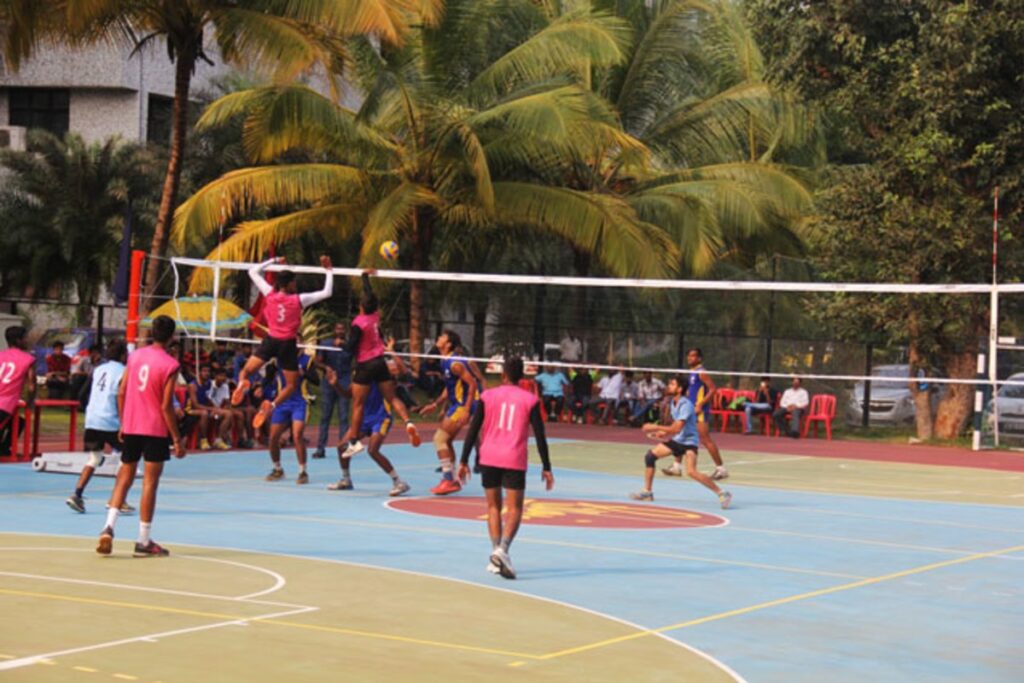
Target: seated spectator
[(207, 399), (222, 358), (649, 392), (581, 395), (610, 393), (793, 403), (552, 385), (186, 422), (627, 401), (430, 379), (239, 361), (58, 372), (763, 403)]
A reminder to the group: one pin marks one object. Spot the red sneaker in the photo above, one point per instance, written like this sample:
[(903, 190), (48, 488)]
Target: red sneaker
[(446, 486), (265, 410), (414, 434), (151, 549), (240, 392)]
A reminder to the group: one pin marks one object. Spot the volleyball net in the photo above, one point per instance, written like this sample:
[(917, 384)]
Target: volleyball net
[(747, 329)]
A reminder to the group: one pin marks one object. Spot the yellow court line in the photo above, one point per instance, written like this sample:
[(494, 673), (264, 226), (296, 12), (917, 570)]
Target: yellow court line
[(782, 601), (257, 619)]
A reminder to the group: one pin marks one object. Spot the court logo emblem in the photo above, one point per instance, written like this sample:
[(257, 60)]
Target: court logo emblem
[(566, 512)]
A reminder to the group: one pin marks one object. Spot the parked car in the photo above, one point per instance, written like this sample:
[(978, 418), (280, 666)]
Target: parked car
[(75, 339), (1010, 404), (891, 400)]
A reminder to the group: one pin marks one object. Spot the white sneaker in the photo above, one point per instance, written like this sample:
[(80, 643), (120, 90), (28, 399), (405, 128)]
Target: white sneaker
[(501, 559), (672, 471), (493, 568), (343, 484), (400, 488), (353, 448), (642, 495), (720, 473)]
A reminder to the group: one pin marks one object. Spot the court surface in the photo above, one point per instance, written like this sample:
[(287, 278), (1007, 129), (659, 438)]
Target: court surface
[(836, 569)]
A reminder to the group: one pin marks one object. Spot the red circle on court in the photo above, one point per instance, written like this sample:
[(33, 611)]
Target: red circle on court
[(598, 514)]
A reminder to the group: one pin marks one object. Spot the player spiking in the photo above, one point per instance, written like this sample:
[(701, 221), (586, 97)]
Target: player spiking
[(145, 400), (17, 369), (284, 318), (501, 422)]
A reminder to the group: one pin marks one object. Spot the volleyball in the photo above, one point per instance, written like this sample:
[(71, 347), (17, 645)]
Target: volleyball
[(389, 250)]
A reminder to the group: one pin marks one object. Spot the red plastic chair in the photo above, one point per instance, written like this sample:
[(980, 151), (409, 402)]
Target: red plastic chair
[(720, 407), (823, 410), (738, 414)]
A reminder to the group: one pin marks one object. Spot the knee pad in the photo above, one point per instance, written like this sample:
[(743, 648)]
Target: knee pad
[(95, 459), (650, 459), (441, 439)]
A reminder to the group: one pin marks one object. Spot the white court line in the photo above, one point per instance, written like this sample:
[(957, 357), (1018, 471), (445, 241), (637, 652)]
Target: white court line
[(151, 637), (279, 581)]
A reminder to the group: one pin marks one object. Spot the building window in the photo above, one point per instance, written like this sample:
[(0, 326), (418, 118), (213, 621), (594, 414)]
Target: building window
[(158, 119), (44, 108)]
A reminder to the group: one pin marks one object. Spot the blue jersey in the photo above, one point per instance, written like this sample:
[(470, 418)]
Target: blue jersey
[(458, 389), (101, 413), (297, 399), (697, 392), (682, 411)]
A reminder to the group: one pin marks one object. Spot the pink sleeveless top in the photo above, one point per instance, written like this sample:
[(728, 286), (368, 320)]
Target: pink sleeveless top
[(370, 344), (506, 426), (284, 315), (148, 371), (14, 366)]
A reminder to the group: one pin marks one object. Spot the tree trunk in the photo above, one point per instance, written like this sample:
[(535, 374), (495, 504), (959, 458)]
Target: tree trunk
[(922, 399), (186, 61), (957, 406), (422, 236)]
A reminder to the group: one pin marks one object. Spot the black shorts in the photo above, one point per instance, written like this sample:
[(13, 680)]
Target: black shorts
[(4, 419), (495, 477), (373, 371), (96, 438), (284, 350), (152, 448), (678, 448)]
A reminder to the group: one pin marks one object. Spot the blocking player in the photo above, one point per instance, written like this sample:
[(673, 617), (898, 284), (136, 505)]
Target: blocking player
[(17, 369), (365, 344), (284, 318), (102, 421), (290, 414), (501, 423), (678, 439), (700, 390), (461, 389), (149, 427)]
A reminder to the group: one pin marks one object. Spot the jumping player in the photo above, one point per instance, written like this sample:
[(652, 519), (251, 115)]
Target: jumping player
[(461, 389), (145, 400), (678, 439), (501, 422), (700, 390), (365, 344), (17, 369), (102, 421), (284, 318), (290, 413)]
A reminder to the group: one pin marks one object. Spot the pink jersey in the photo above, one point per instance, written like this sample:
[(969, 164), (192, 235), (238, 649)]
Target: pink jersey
[(506, 426), (284, 315), (14, 367), (370, 345), (149, 369)]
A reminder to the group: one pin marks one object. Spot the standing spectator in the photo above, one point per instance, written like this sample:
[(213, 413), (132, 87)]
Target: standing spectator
[(571, 348), (609, 393), (582, 394), (763, 403), (340, 361), (58, 372), (650, 391), (552, 384), (794, 402)]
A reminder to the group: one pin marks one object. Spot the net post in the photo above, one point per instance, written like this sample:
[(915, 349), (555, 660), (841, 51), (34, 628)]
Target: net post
[(993, 339), (134, 297), (979, 403), (216, 300)]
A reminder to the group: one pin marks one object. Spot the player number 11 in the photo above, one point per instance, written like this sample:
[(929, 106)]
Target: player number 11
[(510, 410)]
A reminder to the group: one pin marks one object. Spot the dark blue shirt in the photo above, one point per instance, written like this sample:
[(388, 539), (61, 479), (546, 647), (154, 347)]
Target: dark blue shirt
[(340, 361)]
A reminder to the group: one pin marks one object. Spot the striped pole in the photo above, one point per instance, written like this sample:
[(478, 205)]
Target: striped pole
[(979, 403)]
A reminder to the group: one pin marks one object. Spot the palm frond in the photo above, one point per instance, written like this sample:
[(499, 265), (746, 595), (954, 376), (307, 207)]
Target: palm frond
[(394, 212)]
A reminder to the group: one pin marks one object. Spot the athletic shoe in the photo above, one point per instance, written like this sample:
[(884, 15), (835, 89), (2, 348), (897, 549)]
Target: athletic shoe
[(501, 559), (725, 498), (151, 549), (266, 408), (240, 392), (76, 503), (493, 568), (414, 434), (399, 488), (343, 484), (303, 478), (204, 445), (672, 471), (720, 473), (275, 474), (221, 445), (127, 509), (106, 543), (319, 454), (446, 486), (353, 448), (642, 495)]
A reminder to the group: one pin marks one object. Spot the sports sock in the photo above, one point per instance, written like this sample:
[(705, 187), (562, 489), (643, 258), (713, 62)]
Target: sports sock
[(394, 476), (144, 528), (345, 462), (79, 491), (302, 469), (446, 468), (112, 513), (505, 543)]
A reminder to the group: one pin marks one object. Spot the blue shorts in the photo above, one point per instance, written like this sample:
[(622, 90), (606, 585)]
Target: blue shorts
[(288, 412), (377, 424), (457, 411)]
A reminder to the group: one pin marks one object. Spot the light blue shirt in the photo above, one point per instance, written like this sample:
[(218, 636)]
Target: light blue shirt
[(682, 411), (101, 413), (551, 383)]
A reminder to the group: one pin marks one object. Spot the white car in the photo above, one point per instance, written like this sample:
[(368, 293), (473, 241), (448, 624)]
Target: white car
[(891, 400), (1010, 403)]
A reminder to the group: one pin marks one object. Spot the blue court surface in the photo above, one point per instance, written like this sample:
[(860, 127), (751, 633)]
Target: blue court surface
[(797, 586)]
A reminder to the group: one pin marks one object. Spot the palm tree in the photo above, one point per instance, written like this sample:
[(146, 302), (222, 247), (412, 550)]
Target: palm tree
[(284, 38), (62, 207), (463, 131)]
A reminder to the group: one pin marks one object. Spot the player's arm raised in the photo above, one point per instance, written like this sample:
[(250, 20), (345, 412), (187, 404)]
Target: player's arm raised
[(310, 298), (256, 275), (537, 422), (167, 408)]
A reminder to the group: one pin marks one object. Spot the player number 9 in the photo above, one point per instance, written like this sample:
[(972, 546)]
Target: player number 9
[(143, 377)]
